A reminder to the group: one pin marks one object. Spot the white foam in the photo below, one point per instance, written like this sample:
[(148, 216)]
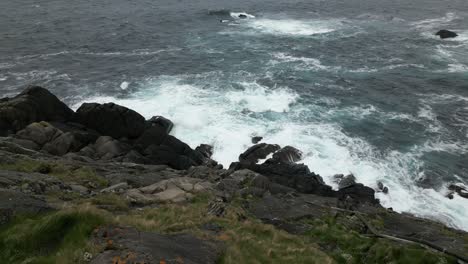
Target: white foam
[(291, 26), (124, 85), (204, 114), (435, 22), (457, 67), (237, 14), (257, 98), (304, 63)]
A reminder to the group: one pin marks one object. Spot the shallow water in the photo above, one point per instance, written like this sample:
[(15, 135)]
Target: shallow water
[(360, 86)]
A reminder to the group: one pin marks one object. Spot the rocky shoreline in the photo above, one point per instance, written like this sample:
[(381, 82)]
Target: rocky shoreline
[(108, 163)]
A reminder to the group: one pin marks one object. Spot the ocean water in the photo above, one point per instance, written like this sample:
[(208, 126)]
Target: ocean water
[(360, 86)]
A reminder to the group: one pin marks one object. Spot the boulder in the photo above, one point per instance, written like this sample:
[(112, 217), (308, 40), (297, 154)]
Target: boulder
[(357, 194), (287, 154), (257, 152), (205, 150), (443, 34), (162, 122), (50, 139), (32, 105), (111, 120), (347, 181)]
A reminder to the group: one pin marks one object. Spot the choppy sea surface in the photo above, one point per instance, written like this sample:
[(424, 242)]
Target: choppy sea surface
[(360, 86)]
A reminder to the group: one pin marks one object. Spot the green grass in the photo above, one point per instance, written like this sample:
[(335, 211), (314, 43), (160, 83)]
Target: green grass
[(247, 240), (348, 246), (67, 173), (59, 237)]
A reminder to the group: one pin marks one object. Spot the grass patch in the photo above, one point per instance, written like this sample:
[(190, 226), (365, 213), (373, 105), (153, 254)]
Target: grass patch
[(111, 202), (247, 240), (67, 173), (347, 246), (60, 237)]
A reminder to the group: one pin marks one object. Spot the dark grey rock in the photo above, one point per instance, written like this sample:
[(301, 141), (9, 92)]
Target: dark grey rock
[(162, 122), (32, 105), (111, 120), (148, 247), (443, 34)]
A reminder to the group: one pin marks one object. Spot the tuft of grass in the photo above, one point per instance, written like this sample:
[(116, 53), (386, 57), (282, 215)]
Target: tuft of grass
[(59, 237), (67, 173)]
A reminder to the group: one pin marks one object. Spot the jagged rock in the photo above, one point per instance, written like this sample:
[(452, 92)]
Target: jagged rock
[(147, 247), (111, 120), (382, 188), (296, 176), (205, 150), (443, 34), (347, 181), (287, 154), (255, 140), (260, 151), (356, 194), (32, 105), (460, 190), (162, 122)]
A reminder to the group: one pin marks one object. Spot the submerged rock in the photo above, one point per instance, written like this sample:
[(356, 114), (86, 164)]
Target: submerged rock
[(443, 34)]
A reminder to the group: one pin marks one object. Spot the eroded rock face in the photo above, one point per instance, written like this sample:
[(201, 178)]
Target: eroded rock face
[(148, 247), (32, 105), (111, 120)]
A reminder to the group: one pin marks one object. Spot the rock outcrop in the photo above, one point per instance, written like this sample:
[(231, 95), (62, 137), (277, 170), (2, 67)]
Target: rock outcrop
[(111, 120), (32, 105)]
